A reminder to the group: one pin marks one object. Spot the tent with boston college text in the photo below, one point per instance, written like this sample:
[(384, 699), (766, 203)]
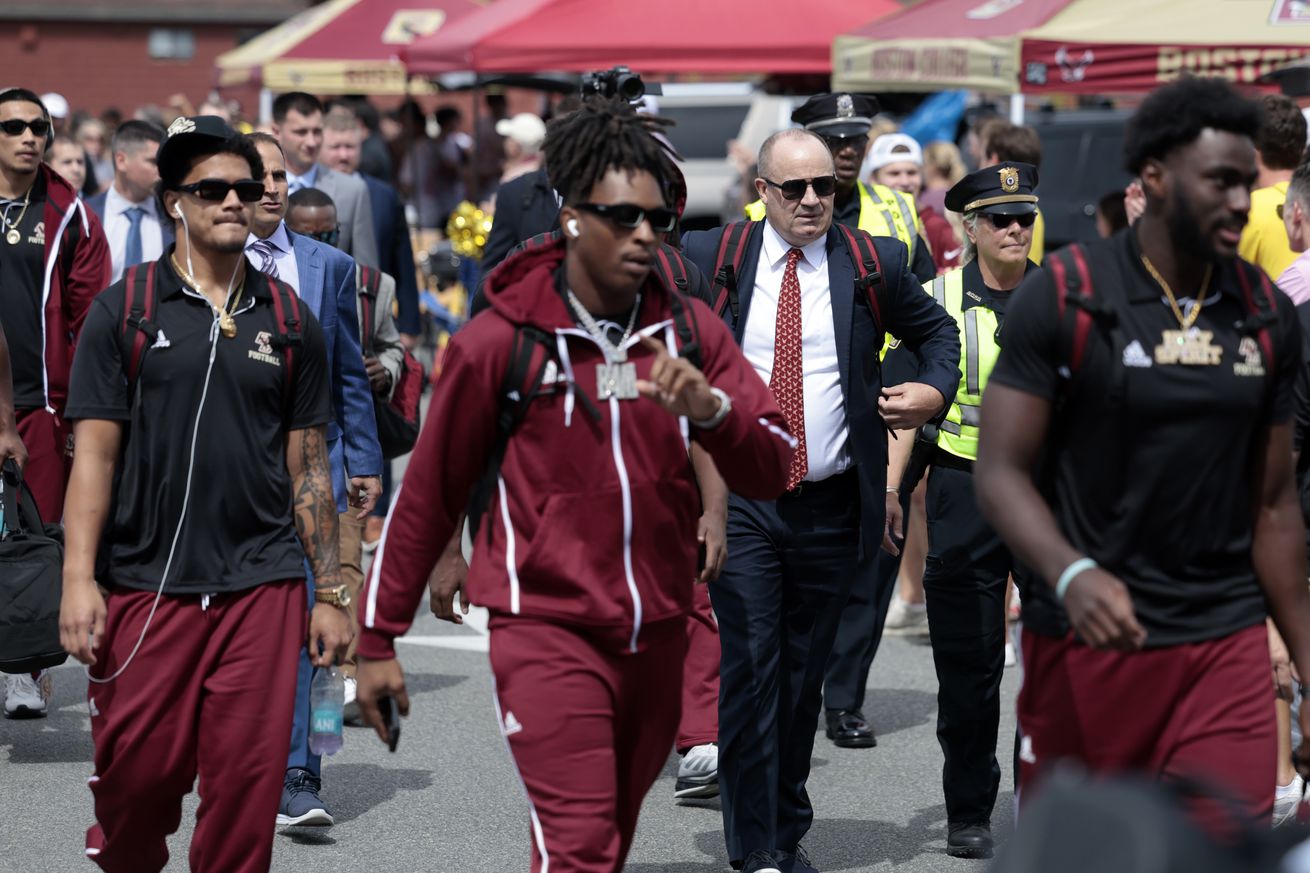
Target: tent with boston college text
[(1069, 46)]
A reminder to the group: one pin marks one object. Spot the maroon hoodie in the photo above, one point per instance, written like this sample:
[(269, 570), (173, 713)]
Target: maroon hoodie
[(77, 268), (593, 522)]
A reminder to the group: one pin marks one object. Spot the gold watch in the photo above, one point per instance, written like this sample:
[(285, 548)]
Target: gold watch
[(336, 595)]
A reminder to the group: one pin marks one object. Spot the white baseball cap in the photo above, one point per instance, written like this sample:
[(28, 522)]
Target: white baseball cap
[(892, 148), (525, 129), (55, 104)]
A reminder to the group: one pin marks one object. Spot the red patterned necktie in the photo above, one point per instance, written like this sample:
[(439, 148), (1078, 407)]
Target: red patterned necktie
[(786, 381)]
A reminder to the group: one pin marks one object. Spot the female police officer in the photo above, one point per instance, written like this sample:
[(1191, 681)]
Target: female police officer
[(968, 565)]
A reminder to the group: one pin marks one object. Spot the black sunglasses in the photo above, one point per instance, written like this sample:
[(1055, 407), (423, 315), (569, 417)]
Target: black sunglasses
[(661, 219), (15, 126), (216, 190), (327, 237), (794, 189), (837, 143), (1001, 222)]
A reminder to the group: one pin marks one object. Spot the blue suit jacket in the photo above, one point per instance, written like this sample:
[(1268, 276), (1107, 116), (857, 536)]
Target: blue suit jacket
[(395, 252), (908, 313), (328, 288)]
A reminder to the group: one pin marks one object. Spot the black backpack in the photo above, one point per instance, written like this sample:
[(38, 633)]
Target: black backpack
[(31, 581)]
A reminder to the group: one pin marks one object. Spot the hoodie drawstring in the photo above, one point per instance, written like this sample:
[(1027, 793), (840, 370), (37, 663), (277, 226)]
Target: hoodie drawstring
[(563, 348)]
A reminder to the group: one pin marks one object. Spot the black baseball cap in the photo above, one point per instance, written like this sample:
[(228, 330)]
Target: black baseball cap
[(187, 137)]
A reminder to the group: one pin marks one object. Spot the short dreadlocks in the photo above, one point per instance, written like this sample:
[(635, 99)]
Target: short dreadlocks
[(605, 134)]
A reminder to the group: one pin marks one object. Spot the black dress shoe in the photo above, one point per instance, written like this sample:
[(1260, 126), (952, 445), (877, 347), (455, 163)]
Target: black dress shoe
[(969, 841), (848, 729), (760, 862), (795, 862)]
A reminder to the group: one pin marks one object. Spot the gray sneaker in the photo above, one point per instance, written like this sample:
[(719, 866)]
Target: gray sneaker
[(698, 772), (301, 805)]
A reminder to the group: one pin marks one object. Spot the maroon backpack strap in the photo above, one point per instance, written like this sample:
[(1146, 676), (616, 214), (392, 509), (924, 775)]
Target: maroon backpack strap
[(286, 308), (1261, 309), (869, 277), (138, 315), (727, 267), (1073, 284)]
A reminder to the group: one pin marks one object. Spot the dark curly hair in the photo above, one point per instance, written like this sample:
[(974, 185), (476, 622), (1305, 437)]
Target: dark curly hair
[(1282, 136), (603, 135), (1174, 116)]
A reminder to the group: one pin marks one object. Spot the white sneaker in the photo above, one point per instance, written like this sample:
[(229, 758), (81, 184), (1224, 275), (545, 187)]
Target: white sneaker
[(27, 695), (1287, 798), (906, 619), (698, 772), (1011, 657), (350, 712)]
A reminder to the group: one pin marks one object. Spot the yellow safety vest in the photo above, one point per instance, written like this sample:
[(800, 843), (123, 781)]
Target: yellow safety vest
[(883, 212), (978, 354)]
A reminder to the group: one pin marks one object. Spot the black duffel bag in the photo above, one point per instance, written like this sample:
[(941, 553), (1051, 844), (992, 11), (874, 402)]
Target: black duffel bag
[(31, 581)]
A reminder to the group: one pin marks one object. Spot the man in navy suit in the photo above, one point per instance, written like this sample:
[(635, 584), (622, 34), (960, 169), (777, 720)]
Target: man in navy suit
[(127, 208), (324, 277), (811, 334)]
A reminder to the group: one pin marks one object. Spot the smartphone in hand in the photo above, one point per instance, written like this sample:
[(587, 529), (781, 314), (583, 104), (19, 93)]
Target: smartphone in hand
[(391, 718)]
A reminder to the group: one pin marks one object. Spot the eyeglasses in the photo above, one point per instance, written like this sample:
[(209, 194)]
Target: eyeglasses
[(216, 190), (15, 126), (837, 143), (1002, 222), (661, 219), (327, 237), (794, 189)]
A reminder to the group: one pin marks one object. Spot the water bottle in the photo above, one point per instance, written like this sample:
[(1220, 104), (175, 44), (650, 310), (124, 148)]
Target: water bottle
[(327, 698)]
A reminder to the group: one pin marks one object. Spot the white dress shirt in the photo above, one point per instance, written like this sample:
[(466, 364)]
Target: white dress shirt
[(826, 431), (284, 256), (116, 227)]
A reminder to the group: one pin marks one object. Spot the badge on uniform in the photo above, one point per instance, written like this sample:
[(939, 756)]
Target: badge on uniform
[(1191, 348), (616, 380)]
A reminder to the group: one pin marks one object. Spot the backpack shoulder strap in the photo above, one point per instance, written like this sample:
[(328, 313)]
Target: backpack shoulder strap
[(670, 268), (1075, 303), (672, 272), (138, 330), (517, 392), (1261, 309), (286, 308), (869, 277), (727, 267)]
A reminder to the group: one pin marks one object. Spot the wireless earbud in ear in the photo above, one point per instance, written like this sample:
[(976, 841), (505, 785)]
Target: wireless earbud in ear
[(574, 231)]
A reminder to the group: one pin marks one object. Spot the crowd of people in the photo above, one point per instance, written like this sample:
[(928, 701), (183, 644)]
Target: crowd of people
[(875, 403)]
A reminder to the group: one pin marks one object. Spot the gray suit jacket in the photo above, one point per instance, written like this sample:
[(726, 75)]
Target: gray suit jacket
[(386, 338), (354, 212)]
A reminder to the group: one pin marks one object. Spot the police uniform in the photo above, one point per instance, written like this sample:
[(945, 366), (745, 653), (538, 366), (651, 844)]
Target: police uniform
[(875, 209), (968, 566)]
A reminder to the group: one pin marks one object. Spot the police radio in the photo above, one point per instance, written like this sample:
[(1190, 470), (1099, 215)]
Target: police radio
[(617, 82)]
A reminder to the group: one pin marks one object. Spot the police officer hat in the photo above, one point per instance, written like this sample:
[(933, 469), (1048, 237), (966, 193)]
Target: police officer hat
[(837, 115), (1004, 189), (188, 137)]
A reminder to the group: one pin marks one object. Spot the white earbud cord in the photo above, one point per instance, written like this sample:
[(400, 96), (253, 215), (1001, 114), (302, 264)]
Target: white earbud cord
[(190, 470)]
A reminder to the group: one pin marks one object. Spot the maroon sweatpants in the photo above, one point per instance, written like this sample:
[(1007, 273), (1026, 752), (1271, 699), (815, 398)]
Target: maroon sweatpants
[(49, 459), (1202, 710), (589, 730), (210, 693), (700, 676)]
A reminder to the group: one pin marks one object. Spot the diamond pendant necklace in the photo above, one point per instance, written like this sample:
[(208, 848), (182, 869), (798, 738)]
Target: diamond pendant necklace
[(617, 376)]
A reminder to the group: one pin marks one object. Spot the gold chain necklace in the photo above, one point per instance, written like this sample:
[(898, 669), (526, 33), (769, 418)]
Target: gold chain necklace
[(1185, 322), (14, 234), (227, 324)]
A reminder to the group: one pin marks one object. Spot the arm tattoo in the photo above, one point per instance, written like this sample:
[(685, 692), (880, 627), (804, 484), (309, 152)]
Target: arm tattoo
[(316, 509)]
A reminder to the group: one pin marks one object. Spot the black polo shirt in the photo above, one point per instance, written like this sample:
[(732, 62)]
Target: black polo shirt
[(1157, 486), (239, 530), (22, 270)]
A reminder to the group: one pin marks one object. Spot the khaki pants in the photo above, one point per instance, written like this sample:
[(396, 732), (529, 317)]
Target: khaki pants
[(352, 574)]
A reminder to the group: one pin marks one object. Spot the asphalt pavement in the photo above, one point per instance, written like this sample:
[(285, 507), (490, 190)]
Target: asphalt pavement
[(449, 801)]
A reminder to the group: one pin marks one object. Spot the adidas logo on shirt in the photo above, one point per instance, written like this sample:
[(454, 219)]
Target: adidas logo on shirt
[(1136, 356), (512, 725)]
